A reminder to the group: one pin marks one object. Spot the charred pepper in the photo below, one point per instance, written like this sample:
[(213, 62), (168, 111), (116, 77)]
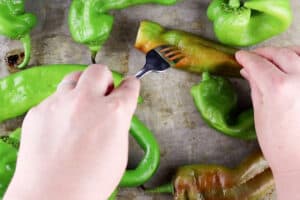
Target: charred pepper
[(251, 180), (16, 24), (249, 22), (216, 100), (91, 24), (200, 55)]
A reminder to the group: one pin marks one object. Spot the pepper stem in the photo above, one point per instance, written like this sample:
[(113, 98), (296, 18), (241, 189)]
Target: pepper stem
[(167, 189), (27, 51), (234, 3), (93, 56)]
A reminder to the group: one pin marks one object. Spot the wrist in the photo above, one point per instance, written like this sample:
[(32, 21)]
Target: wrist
[(287, 184), (35, 187)]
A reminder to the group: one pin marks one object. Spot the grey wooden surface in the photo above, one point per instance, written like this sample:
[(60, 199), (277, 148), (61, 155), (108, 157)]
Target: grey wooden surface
[(168, 109)]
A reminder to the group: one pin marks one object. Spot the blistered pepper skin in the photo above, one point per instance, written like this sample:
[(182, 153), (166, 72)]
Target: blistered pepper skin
[(91, 24), (216, 100), (251, 180), (249, 22), (16, 24), (200, 55)]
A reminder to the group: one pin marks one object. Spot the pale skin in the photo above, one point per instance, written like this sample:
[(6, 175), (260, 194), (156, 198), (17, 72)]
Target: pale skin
[(89, 116), (274, 77)]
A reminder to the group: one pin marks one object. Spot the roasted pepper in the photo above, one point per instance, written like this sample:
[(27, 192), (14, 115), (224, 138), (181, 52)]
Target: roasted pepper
[(216, 100), (16, 24), (21, 91), (200, 55), (249, 22), (90, 22), (251, 180), (8, 157)]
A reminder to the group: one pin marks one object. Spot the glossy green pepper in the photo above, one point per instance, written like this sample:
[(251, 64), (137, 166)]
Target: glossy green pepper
[(200, 55), (8, 157), (216, 100), (90, 22), (16, 24), (249, 22), (21, 91), (251, 180)]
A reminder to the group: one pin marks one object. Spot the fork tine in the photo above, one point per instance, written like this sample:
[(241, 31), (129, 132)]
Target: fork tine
[(172, 53), (177, 57), (168, 49)]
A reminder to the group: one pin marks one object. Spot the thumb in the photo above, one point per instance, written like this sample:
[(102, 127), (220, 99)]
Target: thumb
[(128, 93)]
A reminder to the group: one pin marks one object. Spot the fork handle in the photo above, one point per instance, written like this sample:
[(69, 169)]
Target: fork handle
[(142, 72)]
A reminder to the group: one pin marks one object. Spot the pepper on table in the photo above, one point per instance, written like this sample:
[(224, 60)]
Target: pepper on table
[(16, 24), (91, 24), (21, 91), (200, 55), (251, 180), (249, 22), (216, 100), (8, 157)]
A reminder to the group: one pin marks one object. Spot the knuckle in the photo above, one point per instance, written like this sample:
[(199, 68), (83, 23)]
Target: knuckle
[(281, 84), (285, 52), (116, 105), (80, 99)]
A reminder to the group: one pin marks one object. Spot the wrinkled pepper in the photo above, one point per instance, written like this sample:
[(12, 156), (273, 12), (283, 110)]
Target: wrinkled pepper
[(216, 100), (21, 91), (91, 24), (249, 22), (200, 55), (16, 24), (8, 157), (251, 180)]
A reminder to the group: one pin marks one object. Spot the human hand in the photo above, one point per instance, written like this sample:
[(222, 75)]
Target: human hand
[(75, 144), (274, 77)]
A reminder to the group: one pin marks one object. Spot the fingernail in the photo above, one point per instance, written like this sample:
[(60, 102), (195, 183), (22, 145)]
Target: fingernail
[(239, 54), (244, 73)]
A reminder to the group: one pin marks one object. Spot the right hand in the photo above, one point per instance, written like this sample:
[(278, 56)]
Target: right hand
[(274, 77)]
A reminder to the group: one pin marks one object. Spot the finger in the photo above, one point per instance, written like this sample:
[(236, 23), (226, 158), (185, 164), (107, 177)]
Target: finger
[(263, 73), (69, 82), (128, 93), (256, 94), (295, 49), (96, 78), (286, 59)]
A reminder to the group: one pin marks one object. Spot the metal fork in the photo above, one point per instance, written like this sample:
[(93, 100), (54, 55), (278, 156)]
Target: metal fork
[(160, 59)]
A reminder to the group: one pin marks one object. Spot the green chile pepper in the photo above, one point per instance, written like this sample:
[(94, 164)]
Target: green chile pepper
[(251, 180), (21, 91), (8, 158), (16, 24), (216, 100), (249, 22), (90, 22), (200, 55)]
